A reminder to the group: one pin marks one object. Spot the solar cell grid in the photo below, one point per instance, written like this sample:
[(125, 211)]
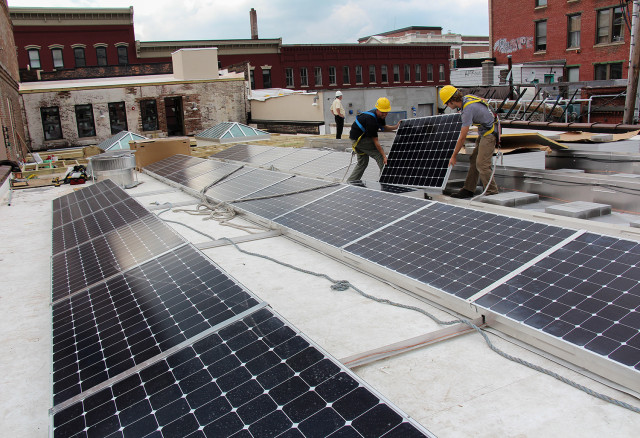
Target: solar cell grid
[(242, 152), (179, 165), (256, 377), (241, 185), (131, 318), (183, 175), (270, 155), (273, 207), (168, 163), (107, 255), (421, 151), (457, 250), (587, 293), (348, 214)]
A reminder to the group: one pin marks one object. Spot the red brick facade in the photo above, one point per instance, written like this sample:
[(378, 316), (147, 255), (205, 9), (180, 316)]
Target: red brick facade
[(513, 32)]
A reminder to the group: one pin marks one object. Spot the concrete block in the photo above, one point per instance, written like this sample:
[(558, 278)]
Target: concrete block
[(568, 170), (511, 199), (601, 138), (580, 210), (635, 224)]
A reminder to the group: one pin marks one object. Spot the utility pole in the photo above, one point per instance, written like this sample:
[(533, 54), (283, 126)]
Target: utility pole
[(634, 67)]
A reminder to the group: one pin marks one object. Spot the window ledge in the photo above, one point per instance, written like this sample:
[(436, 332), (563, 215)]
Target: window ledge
[(573, 49), (540, 8), (615, 43), (540, 52), (346, 83)]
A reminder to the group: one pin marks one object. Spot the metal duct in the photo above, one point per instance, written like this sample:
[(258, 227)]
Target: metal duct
[(118, 167)]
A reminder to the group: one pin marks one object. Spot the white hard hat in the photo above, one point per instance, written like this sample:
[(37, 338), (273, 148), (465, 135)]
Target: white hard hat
[(338, 93)]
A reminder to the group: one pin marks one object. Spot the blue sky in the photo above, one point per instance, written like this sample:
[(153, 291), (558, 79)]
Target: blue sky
[(297, 22)]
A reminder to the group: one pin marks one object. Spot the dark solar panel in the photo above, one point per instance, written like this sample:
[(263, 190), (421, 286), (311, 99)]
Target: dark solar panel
[(421, 151), (254, 378), (458, 250), (184, 175), (172, 164), (348, 214), (93, 225), (587, 293), (86, 201), (270, 155), (241, 185), (389, 188), (131, 318), (109, 254), (273, 207)]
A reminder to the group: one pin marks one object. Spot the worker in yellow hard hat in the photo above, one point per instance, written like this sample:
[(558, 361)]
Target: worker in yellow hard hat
[(364, 135), (475, 111)]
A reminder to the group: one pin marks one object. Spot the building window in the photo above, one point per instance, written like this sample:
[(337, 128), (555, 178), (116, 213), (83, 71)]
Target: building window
[(101, 55), (541, 3), (573, 31), (430, 72), (123, 57), (266, 78), (58, 61), (304, 77), (573, 74), (318, 76), (84, 119), (441, 72), (396, 73), (51, 123), (78, 54), (418, 73), (608, 71), (346, 75), (384, 74), (332, 75), (610, 25), (288, 76), (541, 36), (252, 79), (34, 58), (407, 73), (358, 74), (117, 117), (372, 74), (149, 114)]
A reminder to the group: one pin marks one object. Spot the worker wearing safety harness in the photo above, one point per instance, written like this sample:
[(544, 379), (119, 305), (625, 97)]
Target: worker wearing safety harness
[(475, 111), (364, 135)]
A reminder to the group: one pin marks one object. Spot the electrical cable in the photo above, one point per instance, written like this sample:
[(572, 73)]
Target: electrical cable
[(343, 285)]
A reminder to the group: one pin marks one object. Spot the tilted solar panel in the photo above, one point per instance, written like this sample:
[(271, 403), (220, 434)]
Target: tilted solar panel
[(257, 377), (421, 151)]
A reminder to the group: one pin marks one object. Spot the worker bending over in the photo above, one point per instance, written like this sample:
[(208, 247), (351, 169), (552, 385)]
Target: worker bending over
[(475, 111), (364, 135)]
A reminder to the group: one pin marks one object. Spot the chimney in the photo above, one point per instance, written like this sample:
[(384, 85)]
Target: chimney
[(253, 15)]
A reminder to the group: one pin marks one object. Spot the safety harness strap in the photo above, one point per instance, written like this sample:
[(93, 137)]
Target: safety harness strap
[(469, 99), (355, 143)]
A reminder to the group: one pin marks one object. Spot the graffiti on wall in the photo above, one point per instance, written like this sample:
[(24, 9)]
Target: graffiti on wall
[(509, 46)]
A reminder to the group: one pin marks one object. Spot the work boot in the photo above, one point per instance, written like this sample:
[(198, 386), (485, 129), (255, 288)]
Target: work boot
[(463, 194)]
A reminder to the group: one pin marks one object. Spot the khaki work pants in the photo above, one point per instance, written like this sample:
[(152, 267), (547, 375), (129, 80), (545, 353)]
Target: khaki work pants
[(480, 165), (367, 147)]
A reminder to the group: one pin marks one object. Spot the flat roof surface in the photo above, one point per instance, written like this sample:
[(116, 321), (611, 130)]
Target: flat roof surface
[(454, 388)]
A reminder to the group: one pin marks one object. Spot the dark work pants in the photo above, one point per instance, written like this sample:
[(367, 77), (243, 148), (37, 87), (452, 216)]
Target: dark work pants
[(339, 126), (366, 148)]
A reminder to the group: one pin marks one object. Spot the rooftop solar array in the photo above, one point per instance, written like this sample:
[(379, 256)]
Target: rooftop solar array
[(151, 338), (421, 150), (545, 277)]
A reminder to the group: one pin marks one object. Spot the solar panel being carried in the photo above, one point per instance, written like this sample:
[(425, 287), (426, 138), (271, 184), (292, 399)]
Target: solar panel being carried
[(421, 151)]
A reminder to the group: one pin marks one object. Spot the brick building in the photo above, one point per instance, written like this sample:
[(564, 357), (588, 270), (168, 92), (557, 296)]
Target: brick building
[(60, 43), (591, 38), (13, 146)]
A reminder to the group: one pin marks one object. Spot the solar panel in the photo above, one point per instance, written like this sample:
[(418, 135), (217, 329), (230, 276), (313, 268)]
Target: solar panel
[(270, 155), (389, 188), (421, 151), (241, 185), (172, 164), (457, 250), (242, 152), (102, 221), (184, 175), (371, 173), (226, 170), (118, 324), (325, 165), (297, 158), (587, 293), (348, 214), (110, 254), (256, 377), (273, 207)]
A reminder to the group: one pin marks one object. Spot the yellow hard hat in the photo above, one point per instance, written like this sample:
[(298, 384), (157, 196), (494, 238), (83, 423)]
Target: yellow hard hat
[(446, 92), (383, 105)]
